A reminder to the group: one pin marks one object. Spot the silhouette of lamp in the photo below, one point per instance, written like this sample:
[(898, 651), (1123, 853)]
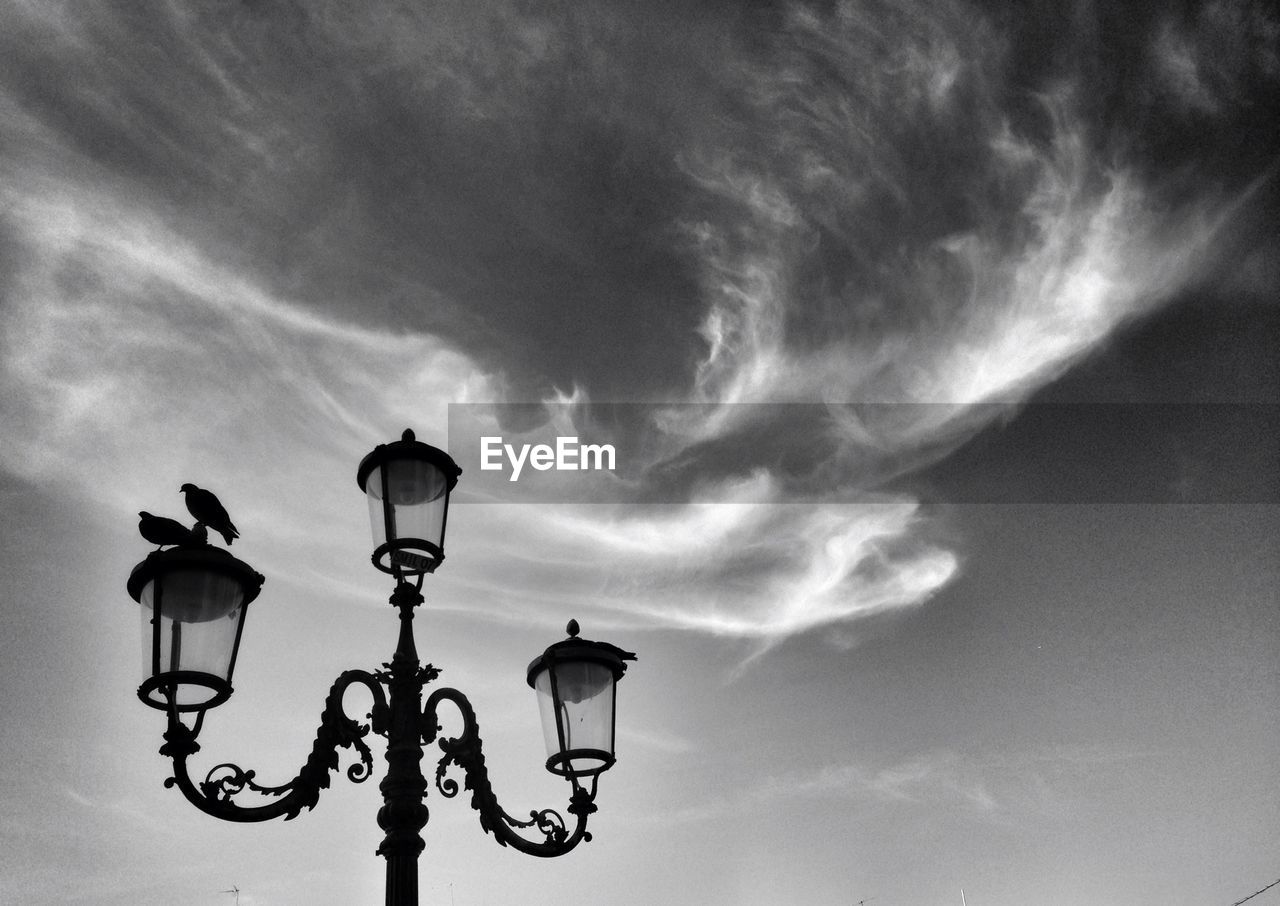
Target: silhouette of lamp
[(576, 681), (408, 485), (194, 602), (194, 598)]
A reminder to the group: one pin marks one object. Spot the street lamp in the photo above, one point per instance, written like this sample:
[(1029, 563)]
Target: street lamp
[(408, 484), (195, 598), (576, 682), (194, 601)]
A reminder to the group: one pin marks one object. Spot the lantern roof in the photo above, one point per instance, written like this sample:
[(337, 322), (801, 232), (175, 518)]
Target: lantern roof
[(576, 649), (194, 557), (408, 447)]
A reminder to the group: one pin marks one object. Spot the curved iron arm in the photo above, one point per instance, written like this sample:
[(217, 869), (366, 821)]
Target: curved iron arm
[(214, 795), (464, 750)]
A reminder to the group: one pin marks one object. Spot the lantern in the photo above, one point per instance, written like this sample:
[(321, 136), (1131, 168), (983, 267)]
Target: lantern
[(576, 681), (194, 601), (408, 485)]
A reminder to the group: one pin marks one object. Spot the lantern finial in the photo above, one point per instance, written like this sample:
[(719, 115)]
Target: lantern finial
[(408, 434), (572, 629)]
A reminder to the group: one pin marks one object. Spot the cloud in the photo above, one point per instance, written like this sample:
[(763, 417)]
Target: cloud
[(1209, 61), (663, 742), (130, 810), (930, 780), (885, 225), (761, 570), (241, 253), (842, 271), (137, 363), (1001, 787), (934, 780)]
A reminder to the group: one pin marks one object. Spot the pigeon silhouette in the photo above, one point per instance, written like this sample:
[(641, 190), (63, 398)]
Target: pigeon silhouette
[(209, 511), (161, 530)]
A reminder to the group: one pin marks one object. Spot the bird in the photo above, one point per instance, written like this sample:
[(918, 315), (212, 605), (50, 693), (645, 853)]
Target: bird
[(160, 530), (209, 511)]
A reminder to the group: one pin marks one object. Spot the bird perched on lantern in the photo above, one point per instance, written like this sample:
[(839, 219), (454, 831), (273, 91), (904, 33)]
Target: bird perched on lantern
[(209, 511), (160, 530)]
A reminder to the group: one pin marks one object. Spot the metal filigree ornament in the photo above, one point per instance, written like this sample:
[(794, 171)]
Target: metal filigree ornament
[(219, 794), (215, 794)]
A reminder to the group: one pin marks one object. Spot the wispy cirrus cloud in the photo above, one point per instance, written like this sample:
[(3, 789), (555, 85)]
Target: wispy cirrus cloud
[(997, 787), (898, 234), (760, 570), (134, 360), (269, 229)]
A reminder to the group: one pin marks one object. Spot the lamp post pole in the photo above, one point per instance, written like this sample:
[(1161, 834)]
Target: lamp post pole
[(195, 598), (403, 814)]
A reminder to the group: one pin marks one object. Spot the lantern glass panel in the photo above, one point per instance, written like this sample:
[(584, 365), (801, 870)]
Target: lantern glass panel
[(413, 505), (199, 617), (585, 690)]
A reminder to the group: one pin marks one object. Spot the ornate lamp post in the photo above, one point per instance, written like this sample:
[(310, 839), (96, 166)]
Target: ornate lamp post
[(194, 601)]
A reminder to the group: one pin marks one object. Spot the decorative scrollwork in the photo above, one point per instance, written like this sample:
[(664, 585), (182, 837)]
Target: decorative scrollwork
[(235, 780), (547, 821), (464, 750), (215, 795)]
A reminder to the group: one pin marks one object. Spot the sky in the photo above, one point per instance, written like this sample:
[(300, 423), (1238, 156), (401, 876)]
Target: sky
[(936, 344)]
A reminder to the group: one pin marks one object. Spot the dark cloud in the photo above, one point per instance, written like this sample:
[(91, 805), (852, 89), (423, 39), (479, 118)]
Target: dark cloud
[(434, 170), (570, 171)]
